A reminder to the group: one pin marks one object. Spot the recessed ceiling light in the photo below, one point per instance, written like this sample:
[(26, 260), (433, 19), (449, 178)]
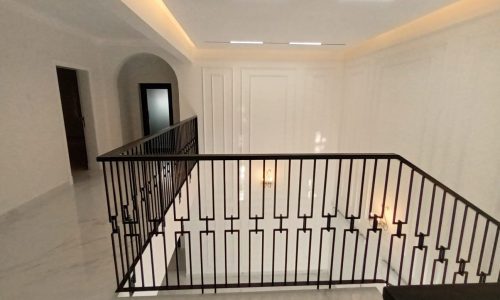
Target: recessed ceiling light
[(247, 42), (372, 1), (276, 43), (306, 43)]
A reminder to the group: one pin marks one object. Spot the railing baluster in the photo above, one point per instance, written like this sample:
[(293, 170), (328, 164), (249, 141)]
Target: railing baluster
[(225, 218), (143, 180), (117, 228), (124, 212)]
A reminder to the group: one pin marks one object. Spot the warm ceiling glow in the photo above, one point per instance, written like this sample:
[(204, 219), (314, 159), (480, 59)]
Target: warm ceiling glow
[(452, 14), (159, 17), (176, 24)]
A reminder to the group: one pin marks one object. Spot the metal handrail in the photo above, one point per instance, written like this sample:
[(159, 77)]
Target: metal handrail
[(152, 171), (113, 156), (118, 152)]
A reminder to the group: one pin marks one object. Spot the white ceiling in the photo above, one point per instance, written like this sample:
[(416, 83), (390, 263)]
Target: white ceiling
[(327, 21), (87, 16), (281, 21)]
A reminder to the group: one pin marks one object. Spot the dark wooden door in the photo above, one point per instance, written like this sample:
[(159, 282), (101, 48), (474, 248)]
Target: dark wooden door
[(73, 118)]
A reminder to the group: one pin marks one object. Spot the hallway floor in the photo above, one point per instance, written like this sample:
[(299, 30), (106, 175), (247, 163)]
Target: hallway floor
[(57, 246)]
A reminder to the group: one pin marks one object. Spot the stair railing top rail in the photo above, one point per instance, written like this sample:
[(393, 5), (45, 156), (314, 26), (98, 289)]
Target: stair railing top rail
[(115, 156), (144, 178), (122, 151)]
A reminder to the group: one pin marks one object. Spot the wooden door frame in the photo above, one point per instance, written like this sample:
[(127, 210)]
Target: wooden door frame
[(80, 111)]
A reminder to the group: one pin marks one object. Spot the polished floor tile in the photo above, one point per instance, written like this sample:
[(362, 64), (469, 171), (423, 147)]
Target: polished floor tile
[(57, 246)]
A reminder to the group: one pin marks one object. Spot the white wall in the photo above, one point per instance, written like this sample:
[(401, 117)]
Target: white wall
[(142, 68), (257, 107), (34, 157), (435, 101)]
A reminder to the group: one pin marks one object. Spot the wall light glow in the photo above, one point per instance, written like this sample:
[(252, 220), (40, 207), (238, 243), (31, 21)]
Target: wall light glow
[(319, 142), (268, 178)]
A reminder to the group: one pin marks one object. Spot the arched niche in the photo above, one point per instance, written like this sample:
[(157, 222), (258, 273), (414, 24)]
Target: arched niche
[(137, 69)]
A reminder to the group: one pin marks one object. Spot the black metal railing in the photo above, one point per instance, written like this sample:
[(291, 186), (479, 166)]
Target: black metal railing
[(181, 220), (136, 200)]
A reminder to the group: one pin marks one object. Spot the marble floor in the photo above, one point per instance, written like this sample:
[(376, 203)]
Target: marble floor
[(57, 246)]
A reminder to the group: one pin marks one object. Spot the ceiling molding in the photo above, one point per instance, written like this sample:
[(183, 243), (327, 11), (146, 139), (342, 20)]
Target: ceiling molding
[(440, 19), (447, 16), (126, 42), (155, 20)]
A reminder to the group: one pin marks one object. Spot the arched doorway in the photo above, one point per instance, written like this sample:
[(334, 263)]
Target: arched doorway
[(144, 70)]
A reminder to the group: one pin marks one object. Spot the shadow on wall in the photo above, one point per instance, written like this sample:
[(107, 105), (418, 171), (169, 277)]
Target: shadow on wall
[(142, 68)]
